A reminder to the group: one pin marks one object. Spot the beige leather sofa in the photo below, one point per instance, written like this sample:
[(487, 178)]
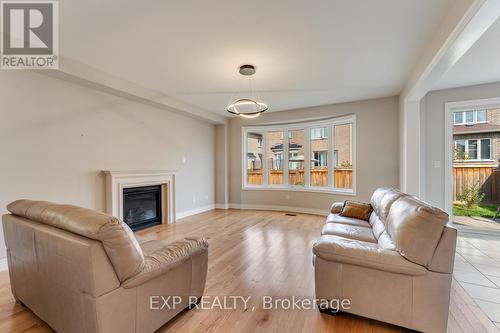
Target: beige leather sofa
[(83, 271), (396, 267)]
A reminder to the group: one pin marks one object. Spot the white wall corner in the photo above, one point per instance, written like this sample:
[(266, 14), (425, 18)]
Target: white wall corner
[(402, 147), (423, 150), (194, 211), (410, 151), (222, 164)]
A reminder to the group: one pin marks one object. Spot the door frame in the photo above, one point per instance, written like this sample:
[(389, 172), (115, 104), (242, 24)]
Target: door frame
[(449, 109)]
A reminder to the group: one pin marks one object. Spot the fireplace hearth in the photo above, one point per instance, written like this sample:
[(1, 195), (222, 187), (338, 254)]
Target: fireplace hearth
[(142, 206)]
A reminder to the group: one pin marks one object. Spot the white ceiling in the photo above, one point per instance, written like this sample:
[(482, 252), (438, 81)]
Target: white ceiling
[(307, 53), (481, 64)]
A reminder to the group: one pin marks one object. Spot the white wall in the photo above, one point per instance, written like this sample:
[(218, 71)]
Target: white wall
[(56, 137), (221, 165), (434, 132), (377, 154)]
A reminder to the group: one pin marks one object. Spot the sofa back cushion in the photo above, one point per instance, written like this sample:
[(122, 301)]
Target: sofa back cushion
[(42, 258), (382, 199), (116, 237), (416, 228)]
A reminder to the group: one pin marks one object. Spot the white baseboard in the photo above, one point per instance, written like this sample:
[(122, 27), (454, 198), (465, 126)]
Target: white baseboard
[(195, 211), (281, 209), (252, 207), (3, 265)]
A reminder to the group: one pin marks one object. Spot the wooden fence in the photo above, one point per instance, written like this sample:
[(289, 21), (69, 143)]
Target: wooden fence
[(319, 177), (486, 177), (343, 178)]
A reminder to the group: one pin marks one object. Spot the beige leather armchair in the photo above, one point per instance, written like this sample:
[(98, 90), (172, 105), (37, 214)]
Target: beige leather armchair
[(396, 267), (83, 271)]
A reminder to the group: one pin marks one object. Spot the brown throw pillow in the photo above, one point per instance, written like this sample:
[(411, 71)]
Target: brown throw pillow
[(357, 210)]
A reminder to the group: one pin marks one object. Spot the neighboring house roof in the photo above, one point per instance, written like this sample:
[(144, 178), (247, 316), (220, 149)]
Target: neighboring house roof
[(475, 128), (279, 146)]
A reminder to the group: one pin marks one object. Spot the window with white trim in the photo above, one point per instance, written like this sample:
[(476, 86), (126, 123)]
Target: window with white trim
[(472, 149), (275, 155), (469, 117), (254, 157), (310, 156)]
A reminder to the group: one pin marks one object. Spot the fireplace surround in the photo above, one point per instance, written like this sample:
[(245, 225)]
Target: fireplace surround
[(123, 184)]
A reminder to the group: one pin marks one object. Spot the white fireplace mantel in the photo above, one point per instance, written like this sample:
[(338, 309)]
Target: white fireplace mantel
[(116, 181)]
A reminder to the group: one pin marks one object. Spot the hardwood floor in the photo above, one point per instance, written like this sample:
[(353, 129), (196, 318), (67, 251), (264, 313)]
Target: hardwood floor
[(255, 253)]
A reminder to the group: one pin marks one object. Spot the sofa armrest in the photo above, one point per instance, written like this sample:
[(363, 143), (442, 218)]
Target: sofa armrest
[(166, 258), (337, 207), (347, 251)]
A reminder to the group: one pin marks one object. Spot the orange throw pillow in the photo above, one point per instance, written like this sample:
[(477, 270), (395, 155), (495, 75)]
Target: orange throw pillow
[(357, 210)]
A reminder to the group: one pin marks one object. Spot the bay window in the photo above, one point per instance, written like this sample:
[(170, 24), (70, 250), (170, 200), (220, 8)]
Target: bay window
[(254, 158), (275, 157), (319, 157), (308, 156), (296, 157), (343, 162)]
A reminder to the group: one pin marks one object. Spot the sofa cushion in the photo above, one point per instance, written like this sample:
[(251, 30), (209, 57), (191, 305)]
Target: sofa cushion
[(335, 218), (348, 231), (166, 256), (357, 210), (348, 251), (416, 228), (382, 199), (116, 237), (150, 246)]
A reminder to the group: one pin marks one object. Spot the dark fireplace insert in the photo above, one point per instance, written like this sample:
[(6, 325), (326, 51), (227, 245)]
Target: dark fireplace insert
[(142, 206)]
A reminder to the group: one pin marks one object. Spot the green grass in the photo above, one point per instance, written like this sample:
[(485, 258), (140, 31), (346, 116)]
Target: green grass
[(481, 210)]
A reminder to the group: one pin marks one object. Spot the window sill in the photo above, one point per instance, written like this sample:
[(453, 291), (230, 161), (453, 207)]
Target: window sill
[(474, 161), (470, 124), (300, 189)]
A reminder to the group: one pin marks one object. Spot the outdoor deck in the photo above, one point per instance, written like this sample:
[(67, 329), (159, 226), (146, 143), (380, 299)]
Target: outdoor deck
[(477, 222)]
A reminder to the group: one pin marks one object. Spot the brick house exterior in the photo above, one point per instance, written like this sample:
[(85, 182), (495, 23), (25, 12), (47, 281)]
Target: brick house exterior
[(254, 151), (476, 137), (320, 156), (319, 148), (343, 134)]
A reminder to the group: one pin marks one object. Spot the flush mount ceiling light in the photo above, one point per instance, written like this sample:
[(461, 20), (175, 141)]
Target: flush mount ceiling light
[(247, 107)]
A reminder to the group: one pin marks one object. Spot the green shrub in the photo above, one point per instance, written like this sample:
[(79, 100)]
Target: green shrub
[(471, 196), (346, 165)]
